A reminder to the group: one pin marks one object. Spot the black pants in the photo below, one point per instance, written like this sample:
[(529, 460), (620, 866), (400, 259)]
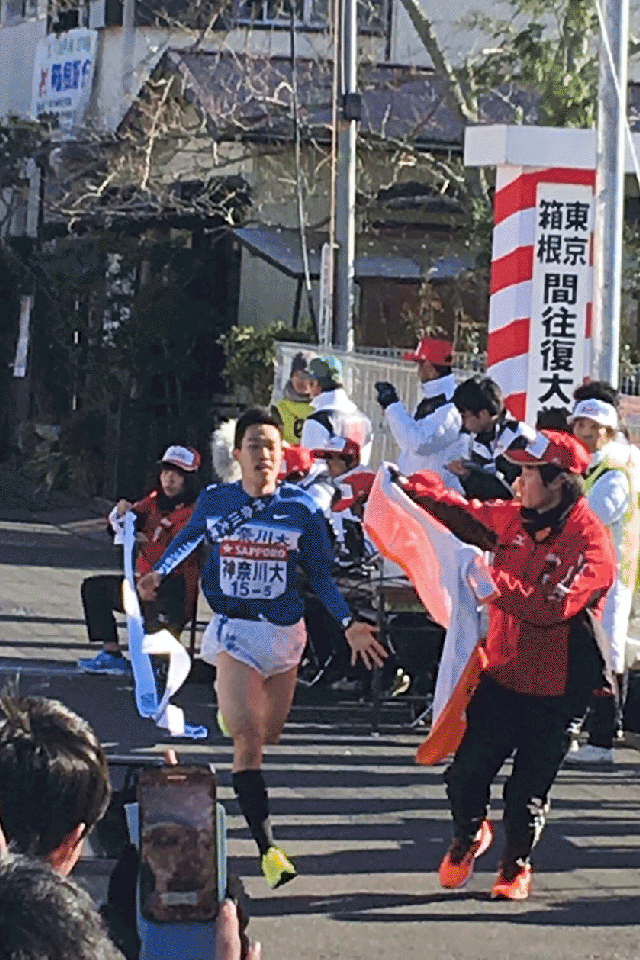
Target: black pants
[(500, 721), (102, 595), (606, 712)]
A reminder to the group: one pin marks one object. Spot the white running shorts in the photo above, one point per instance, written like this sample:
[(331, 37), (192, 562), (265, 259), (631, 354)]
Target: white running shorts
[(269, 648)]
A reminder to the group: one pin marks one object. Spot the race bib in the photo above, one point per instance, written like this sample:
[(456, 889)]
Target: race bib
[(253, 562), (252, 571)]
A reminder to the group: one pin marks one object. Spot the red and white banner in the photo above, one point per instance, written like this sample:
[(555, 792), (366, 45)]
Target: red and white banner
[(542, 248), (450, 577)]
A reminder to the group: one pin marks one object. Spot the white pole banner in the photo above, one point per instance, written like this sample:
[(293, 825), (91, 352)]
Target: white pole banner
[(22, 347), (562, 293)]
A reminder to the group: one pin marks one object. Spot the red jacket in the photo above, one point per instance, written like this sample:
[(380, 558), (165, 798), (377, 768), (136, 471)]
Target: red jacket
[(160, 528), (544, 582)]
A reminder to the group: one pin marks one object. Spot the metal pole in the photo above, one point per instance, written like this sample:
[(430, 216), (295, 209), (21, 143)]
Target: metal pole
[(346, 178), (610, 176)]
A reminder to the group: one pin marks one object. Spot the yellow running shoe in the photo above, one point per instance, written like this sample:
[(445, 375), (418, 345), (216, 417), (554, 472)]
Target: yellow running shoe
[(277, 868), (221, 724)]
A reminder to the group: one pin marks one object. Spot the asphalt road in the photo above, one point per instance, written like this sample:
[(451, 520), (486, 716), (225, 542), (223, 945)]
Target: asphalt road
[(366, 826)]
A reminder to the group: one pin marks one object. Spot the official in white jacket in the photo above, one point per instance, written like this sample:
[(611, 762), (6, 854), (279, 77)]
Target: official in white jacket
[(334, 415), (612, 491), (429, 438)]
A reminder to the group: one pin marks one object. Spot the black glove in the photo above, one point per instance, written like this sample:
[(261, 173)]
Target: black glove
[(387, 393)]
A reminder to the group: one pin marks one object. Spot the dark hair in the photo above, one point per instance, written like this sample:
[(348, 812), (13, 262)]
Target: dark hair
[(441, 370), (251, 417), (53, 773), (192, 485), (479, 393), (298, 364), (327, 383), (553, 418), (572, 482), (597, 390), (45, 916)]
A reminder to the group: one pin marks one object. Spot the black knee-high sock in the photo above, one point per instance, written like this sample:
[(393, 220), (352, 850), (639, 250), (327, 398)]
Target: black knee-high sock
[(251, 792)]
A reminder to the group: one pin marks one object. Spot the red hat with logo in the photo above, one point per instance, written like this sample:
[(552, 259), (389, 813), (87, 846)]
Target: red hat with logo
[(438, 352), (342, 447), (551, 446), (185, 458)]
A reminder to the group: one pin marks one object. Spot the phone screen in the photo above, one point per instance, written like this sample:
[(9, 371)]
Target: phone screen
[(178, 868)]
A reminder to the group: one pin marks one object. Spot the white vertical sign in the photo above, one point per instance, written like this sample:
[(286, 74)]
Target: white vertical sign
[(325, 308), (562, 292), (22, 347)]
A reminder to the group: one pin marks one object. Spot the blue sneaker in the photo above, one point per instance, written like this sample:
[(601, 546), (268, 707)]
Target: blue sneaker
[(111, 664)]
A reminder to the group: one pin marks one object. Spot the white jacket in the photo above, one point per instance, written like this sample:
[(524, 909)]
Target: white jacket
[(429, 442), (356, 424), (609, 500)]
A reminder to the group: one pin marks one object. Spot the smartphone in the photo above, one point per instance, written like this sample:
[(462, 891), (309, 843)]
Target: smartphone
[(178, 850)]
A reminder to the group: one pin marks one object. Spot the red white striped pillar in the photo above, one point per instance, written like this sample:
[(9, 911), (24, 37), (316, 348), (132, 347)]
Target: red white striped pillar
[(542, 261)]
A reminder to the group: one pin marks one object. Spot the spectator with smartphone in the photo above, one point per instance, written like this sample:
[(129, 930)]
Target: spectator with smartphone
[(259, 532)]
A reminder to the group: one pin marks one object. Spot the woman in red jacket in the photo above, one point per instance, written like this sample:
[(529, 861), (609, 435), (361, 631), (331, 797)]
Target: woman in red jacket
[(159, 517), (553, 565)]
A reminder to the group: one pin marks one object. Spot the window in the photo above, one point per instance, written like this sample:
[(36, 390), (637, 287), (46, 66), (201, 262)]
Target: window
[(15, 10), (67, 14), (372, 14)]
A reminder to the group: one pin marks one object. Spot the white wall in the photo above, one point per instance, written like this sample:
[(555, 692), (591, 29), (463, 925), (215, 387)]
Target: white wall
[(18, 42), (267, 295)]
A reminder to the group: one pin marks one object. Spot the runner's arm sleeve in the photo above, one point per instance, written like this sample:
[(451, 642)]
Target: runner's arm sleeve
[(316, 559), (544, 604), (187, 540), (609, 498), (429, 435)]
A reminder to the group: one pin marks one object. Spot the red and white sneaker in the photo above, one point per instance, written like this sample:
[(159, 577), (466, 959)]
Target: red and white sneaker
[(457, 865), (513, 881)]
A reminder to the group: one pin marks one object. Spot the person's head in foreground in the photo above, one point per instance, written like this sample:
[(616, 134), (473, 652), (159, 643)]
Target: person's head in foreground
[(45, 916), (54, 780), (257, 447)]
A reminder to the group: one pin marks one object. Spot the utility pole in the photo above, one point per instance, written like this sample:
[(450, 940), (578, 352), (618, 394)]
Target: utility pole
[(349, 113), (610, 175)]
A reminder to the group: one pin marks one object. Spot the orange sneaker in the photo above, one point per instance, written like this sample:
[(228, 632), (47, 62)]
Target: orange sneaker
[(457, 865), (513, 881)]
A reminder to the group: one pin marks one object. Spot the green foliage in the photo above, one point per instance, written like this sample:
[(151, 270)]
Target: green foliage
[(19, 140), (549, 47), (250, 356), (139, 324)]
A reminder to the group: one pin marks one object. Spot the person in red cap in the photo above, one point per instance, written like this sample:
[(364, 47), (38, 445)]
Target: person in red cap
[(159, 517), (429, 438), (553, 565)]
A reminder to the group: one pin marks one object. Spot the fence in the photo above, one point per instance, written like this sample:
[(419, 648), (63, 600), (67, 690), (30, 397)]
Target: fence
[(362, 369), (360, 372)]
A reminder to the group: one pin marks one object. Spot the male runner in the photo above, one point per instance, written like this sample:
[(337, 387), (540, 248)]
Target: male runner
[(259, 532)]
